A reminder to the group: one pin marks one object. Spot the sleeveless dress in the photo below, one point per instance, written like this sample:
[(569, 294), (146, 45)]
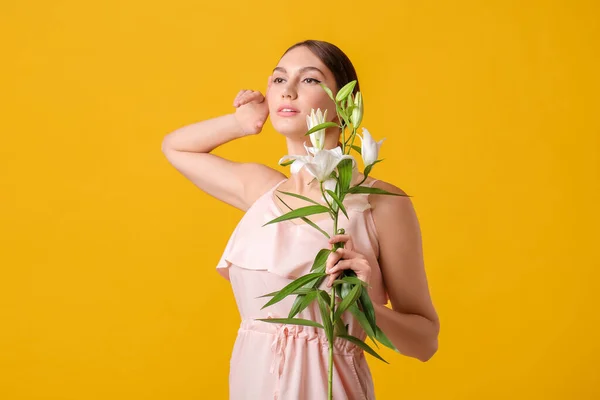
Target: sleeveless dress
[(283, 361)]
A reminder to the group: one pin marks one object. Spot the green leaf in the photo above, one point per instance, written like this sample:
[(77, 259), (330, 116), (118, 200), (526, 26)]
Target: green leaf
[(297, 291), (362, 345), (323, 125), (308, 221), (339, 324), (345, 91), (362, 320), (349, 104), (379, 335), (372, 190), (318, 266), (343, 114), (286, 291), (367, 308), (327, 90), (357, 149), (369, 167), (296, 307), (345, 170), (300, 197), (325, 296), (286, 163), (321, 260), (299, 213), (338, 201), (340, 328), (347, 301), (324, 307), (291, 321), (354, 280), (306, 299), (345, 290)]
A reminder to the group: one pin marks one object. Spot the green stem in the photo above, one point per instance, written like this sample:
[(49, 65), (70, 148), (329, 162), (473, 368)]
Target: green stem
[(332, 301), (343, 126), (353, 137), (331, 314), (343, 138)]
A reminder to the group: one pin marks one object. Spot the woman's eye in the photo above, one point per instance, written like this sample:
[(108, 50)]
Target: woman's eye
[(312, 80)]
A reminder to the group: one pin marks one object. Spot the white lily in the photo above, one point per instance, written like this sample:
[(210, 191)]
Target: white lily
[(317, 138), (325, 161), (369, 147), (299, 161)]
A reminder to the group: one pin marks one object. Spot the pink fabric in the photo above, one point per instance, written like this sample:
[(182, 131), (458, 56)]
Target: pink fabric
[(282, 361)]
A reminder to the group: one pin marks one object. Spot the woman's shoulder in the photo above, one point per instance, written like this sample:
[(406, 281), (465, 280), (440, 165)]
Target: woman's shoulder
[(379, 183), (381, 200)]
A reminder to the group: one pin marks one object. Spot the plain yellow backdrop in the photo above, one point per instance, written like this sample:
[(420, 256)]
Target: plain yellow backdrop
[(491, 114)]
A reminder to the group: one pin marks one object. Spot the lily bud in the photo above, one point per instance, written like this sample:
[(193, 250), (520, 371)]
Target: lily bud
[(317, 138), (369, 148), (357, 113)]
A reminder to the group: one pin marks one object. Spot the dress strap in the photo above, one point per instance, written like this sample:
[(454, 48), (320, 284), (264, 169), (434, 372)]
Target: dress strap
[(372, 182), (277, 185)]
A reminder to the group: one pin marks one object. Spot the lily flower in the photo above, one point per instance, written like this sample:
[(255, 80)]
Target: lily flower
[(325, 161), (299, 160), (317, 138), (369, 147)]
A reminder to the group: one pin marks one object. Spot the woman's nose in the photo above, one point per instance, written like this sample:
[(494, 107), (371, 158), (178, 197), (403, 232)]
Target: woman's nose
[(287, 92)]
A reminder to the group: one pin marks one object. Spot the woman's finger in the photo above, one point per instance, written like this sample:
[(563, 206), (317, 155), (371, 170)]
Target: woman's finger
[(249, 96), (332, 278), (337, 255), (342, 238), (343, 264), (332, 259), (237, 98)]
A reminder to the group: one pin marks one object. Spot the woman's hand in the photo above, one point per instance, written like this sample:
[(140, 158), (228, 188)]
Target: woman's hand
[(252, 110), (349, 260)]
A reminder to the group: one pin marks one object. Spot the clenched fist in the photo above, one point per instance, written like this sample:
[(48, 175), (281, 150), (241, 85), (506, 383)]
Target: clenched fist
[(251, 111)]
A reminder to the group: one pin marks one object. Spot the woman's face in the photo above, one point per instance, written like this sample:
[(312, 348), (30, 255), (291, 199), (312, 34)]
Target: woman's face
[(295, 84)]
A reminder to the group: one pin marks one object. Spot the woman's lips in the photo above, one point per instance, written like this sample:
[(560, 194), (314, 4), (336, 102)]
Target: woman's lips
[(287, 113)]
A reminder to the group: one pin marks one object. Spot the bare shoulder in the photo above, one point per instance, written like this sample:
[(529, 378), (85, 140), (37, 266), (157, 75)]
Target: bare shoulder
[(388, 209), (384, 200)]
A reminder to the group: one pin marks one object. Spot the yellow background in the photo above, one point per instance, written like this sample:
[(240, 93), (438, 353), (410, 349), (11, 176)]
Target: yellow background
[(491, 113)]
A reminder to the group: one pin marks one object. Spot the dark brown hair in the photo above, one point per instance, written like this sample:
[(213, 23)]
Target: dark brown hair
[(335, 59)]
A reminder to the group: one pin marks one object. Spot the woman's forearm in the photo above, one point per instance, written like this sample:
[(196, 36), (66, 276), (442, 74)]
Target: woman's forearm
[(204, 136), (412, 334)]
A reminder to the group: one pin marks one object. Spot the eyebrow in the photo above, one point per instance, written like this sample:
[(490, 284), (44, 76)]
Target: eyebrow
[(303, 69)]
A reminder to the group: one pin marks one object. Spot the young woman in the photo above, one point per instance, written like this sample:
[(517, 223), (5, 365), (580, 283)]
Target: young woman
[(382, 240)]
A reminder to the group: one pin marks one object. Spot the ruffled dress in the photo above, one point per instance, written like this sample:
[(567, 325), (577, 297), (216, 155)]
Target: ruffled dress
[(283, 361)]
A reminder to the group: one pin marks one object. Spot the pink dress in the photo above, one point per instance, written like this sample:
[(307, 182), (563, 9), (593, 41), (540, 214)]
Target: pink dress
[(290, 362)]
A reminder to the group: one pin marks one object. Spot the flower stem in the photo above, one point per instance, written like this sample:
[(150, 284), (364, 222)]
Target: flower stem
[(331, 314), (353, 137)]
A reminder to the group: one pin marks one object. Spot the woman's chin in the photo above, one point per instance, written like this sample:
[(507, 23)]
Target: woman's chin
[(291, 131)]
